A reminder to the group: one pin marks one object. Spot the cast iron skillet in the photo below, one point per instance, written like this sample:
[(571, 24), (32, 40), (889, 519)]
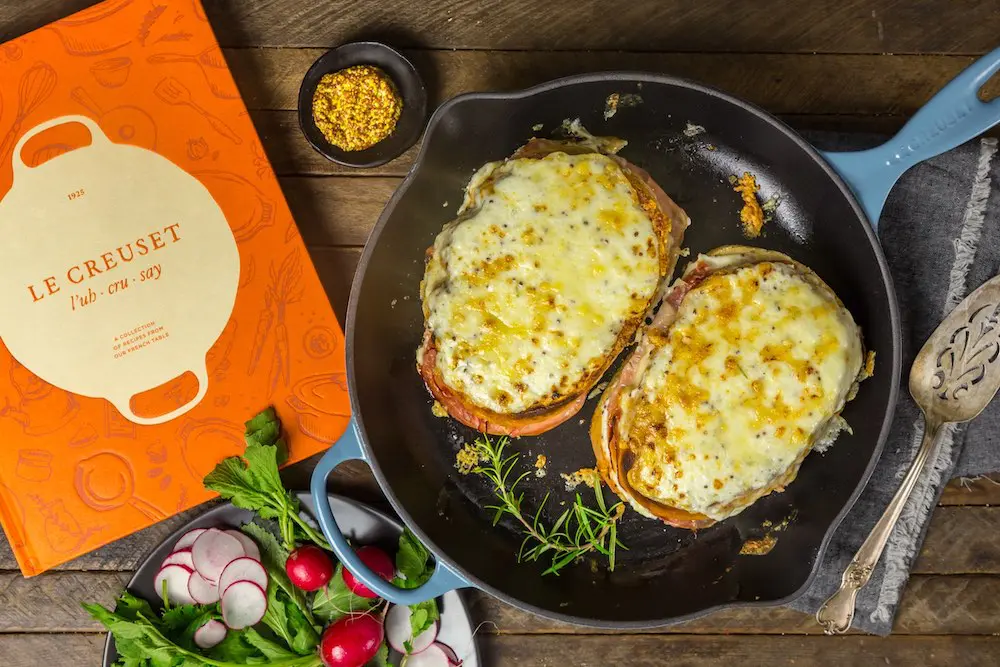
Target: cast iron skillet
[(667, 575)]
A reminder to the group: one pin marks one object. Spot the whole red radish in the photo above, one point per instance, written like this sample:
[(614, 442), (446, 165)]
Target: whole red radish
[(380, 564), (309, 567), (352, 641)]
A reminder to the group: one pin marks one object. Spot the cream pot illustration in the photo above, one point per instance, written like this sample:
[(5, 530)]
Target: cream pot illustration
[(118, 270)]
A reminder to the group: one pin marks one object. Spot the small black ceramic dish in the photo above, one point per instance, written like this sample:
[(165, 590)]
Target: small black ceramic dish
[(408, 83)]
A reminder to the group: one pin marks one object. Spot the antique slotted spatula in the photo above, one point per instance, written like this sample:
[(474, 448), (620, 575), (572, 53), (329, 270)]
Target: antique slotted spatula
[(954, 377)]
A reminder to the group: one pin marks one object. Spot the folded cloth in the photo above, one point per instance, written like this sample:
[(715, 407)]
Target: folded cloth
[(940, 231)]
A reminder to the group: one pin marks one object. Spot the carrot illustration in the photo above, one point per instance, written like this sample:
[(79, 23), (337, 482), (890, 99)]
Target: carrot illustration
[(260, 336)]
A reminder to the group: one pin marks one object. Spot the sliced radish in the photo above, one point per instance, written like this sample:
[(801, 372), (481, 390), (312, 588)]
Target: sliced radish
[(188, 538), (243, 569), (202, 590), (450, 652), (209, 635), (249, 546), (432, 656), (213, 551), (176, 578), (399, 631), (181, 557), (243, 604)]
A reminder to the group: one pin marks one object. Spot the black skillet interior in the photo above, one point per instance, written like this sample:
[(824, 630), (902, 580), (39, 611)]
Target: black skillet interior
[(666, 573)]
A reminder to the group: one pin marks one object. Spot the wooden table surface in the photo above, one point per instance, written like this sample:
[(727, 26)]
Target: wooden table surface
[(862, 65)]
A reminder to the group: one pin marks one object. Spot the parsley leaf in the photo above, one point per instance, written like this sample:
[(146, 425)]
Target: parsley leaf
[(413, 565), (234, 648), (413, 568), (335, 600), (287, 620), (422, 616), (271, 650)]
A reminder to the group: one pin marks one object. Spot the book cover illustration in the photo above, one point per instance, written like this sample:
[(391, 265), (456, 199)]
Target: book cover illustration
[(155, 291)]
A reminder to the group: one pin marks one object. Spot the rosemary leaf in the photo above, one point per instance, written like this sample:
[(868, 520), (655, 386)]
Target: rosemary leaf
[(579, 530)]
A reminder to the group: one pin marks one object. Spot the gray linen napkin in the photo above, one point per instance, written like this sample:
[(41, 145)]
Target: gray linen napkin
[(941, 234)]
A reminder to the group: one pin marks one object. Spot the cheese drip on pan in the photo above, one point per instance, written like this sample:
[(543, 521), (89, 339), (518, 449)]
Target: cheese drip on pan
[(527, 292), (757, 362)]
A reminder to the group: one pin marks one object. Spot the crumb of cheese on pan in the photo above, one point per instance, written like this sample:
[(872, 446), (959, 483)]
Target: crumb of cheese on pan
[(611, 105), (540, 470), (438, 410), (692, 130), (759, 547), (537, 127), (869, 369), (467, 459), (597, 390), (588, 476), (752, 215)]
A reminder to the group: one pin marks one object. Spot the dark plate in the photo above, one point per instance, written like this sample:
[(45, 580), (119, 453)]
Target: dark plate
[(408, 83), (360, 523)]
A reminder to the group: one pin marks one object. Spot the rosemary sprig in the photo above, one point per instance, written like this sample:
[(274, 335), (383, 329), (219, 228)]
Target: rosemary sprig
[(578, 531)]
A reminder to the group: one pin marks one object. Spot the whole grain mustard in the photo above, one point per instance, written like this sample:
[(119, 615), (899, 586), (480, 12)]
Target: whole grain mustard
[(356, 107)]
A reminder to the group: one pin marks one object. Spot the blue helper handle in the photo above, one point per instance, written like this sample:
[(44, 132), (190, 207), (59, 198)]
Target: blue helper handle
[(349, 448), (952, 117)]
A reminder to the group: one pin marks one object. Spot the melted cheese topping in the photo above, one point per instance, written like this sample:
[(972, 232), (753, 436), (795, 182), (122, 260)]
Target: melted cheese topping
[(758, 362), (527, 292)]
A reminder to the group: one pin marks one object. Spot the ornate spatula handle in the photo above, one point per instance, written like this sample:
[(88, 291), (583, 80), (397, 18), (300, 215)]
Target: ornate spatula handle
[(837, 612)]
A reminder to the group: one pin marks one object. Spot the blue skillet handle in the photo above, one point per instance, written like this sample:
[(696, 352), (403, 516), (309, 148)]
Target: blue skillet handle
[(349, 448), (952, 117)]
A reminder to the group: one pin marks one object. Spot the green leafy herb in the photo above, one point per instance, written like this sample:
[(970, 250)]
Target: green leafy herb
[(336, 600), (578, 531), (381, 658), (273, 556), (271, 650), (288, 621), (422, 616), (413, 569), (413, 566), (253, 482), (142, 641)]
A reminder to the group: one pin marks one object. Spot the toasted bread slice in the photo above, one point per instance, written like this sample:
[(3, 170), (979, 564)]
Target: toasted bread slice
[(744, 370), (557, 256)]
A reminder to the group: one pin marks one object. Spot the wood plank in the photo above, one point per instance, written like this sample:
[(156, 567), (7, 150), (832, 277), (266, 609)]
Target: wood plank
[(834, 26), (780, 83), (32, 650), (337, 211), (336, 267), (704, 651), (983, 490), (932, 605), (961, 540)]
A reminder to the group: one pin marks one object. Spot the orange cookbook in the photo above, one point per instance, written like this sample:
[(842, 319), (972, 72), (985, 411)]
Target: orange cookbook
[(155, 292)]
